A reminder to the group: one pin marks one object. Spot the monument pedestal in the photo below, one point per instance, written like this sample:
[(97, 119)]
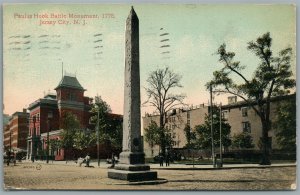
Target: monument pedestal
[(132, 173), (128, 170)]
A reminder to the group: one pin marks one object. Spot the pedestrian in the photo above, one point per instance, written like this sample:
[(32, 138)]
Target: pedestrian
[(80, 161), (15, 159), (167, 159), (87, 159), (32, 159), (161, 160), (8, 158), (113, 161)]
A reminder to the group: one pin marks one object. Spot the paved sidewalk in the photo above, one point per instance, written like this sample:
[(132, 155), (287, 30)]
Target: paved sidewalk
[(225, 166), (104, 165), (62, 176)]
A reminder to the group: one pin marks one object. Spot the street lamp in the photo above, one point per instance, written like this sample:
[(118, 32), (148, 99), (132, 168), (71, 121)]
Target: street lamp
[(211, 129), (50, 115), (220, 120), (33, 140), (9, 152), (98, 137), (221, 159)]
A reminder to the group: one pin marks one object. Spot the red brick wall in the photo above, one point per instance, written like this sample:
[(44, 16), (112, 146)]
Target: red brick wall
[(64, 94), (41, 123), (18, 126), (6, 136)]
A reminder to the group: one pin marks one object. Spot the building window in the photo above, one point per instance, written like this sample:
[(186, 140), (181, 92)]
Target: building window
[(225, 115), (244, 111), (72, 97), (246, 127)]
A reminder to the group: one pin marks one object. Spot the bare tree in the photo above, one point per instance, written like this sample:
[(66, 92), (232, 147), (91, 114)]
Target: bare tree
[(160, 83)]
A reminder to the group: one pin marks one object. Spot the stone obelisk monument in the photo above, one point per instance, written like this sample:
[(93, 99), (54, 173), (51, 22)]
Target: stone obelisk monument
[(132, 159)]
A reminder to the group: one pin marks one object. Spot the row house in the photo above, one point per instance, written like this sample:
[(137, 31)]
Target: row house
[(16, 131), (240, 116)]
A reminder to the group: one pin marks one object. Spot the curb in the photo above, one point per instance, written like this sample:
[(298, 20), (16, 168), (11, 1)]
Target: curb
[(222, 168)]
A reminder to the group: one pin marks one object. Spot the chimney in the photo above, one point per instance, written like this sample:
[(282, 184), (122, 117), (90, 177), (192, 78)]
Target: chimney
[(24, 110)]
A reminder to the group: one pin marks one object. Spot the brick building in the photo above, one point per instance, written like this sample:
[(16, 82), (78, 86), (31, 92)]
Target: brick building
[(16, 131), (239, 115), (46, 115)]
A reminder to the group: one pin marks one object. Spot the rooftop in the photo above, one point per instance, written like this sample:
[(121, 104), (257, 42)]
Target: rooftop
[(70, 82)]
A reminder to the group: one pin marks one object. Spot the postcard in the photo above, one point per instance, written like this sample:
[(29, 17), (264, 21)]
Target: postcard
[(149, 97)]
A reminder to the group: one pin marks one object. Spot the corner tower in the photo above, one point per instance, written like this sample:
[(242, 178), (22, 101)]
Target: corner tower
[(70, 97)]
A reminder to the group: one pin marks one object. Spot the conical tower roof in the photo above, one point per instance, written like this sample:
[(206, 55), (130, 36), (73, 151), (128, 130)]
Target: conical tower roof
[(69, 82)]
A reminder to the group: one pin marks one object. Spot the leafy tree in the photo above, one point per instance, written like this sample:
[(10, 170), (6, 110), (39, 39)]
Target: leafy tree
[(190, 136), (115, 132), (285, 125), (152, 135), (160, 84), (110, 126), (84, 139), (70, 125), (203, 131), (242, 141), (271, 78), (54, 144)]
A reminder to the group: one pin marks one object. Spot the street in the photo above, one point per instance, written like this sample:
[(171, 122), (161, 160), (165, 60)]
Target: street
[(38, 175)]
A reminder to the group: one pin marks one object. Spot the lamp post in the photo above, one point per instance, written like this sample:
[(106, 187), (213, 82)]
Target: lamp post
[(9, 152), (33, 140), (50, 115), (98, 137), (211, 129), (221, 159)]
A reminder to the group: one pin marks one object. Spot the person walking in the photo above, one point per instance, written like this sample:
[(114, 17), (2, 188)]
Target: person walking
[(167, 159), (87, 159), (161, 160), (113, 161)]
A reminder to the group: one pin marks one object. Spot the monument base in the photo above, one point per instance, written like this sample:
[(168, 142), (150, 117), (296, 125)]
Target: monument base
[(139, 172), (132, 175)]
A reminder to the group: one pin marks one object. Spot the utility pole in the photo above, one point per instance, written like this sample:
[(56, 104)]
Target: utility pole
[(211, 129), (98, 137), (50, 115), (48, 140), (33, 140), (221, 160), (10, 141), (9, 153)]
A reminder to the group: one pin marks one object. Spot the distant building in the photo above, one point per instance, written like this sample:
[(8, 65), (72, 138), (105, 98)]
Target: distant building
[(239, 115), (16, 131), (176, 121), (46, 115), (243, 118), (6, 118)]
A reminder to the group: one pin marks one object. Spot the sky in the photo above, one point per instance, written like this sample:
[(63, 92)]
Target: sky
[(33, 54)]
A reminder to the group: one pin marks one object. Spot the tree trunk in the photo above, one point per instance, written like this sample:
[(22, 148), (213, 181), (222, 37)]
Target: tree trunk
[(162, 138), (265, 156)]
